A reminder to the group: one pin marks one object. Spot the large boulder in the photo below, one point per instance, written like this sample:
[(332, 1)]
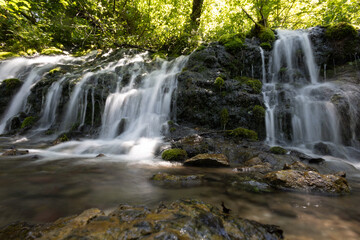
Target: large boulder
[(184, 219), (208, 160), (309, 181)]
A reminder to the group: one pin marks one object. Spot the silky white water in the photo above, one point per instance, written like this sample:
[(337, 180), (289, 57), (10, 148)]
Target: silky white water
[(300, 110)]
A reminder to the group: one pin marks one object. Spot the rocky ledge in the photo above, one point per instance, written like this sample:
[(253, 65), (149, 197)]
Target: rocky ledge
[(183, 219)]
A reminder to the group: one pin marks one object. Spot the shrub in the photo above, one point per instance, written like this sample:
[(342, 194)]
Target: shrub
[(258, 113), (255, 84), (224, 117), (219, 82), (175, 154), (51, 51)]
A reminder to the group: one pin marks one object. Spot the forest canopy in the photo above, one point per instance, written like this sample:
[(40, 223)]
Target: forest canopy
[(167, 25)]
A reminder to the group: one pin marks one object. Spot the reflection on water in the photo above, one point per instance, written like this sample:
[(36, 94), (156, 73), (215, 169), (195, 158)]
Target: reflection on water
[(41, 191)]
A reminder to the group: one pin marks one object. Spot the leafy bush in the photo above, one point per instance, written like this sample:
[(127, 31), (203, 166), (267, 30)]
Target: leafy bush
[(258, 113), (219, 82), (266, 35)]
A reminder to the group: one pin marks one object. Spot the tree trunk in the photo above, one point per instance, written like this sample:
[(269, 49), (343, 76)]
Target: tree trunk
[(196, 14)]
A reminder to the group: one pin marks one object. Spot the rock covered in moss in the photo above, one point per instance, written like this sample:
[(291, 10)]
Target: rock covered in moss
[(28, 122), (183, 219), (278, 150), (51, 51), (165, 177), (232, 42), (175, 154), (208, 160), (193, 145), (340, 31), (243, 133), (309, 181)]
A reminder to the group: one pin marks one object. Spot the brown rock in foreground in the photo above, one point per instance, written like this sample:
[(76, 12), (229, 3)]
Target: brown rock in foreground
[(309, 181), (208, 160), (183, 219)]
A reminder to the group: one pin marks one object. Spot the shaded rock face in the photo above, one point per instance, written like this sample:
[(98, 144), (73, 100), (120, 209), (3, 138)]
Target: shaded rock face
[(8, 89), (208, 160), (199, 101), (310, 181), (187, 219)]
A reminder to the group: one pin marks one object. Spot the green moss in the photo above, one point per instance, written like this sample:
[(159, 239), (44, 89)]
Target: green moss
[(266, 35), (219, 82), (51, 51), (55, 70), (175, 154), (31, 51), (28, 122), (255, 84), (232, 42), (81, 52), (160, 54), (266, 45), (243, 133), (6, 55), (340, 31), (64, 138), (258, 113), (278, 150)]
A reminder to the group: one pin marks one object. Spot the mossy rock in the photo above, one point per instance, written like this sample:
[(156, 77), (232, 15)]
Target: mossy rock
[(175, 154), (54, 70), (254, 84), (258, 113), (341, 31), (6, 55), (28, 122), (278, 150), (51, 51), (243, 133), (266, 35), (11, 84), (232, 42), (266, 46)]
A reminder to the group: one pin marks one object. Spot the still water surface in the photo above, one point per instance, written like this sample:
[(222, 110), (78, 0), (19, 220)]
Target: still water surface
[(38, 191)]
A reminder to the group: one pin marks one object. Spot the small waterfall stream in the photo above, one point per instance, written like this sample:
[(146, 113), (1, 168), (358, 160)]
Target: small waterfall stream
[(300, 110)]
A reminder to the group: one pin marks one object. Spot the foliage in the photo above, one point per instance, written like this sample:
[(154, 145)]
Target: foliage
[(340, 31), (224, 117), (51, 51), (178, 26), (5, 55), (232, 42), (219, 82), (175, 154), (243, 133), (28, 122), (278, 150), (254, 84), (266, 35)]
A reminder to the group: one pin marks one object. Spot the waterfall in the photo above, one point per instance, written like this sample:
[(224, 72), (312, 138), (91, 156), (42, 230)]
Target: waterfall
[(38, 67), (300, 110)]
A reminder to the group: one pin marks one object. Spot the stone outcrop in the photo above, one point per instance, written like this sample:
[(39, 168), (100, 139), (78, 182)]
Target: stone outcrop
[(208, 160), (183, 219)]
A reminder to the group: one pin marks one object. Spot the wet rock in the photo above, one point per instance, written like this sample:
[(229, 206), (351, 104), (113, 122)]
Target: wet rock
[(101, 155), (193, 145), (304, 157), (183, 219), (298, 166), (176, 154), (169, 180), (255, 165), (208, 160), (15, 152), (322, 148), (309, 181), (278, 150)]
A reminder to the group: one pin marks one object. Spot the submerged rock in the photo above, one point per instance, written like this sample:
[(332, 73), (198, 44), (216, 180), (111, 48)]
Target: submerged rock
[(309, 181), (15, 152), (208, 160), (183, 219)]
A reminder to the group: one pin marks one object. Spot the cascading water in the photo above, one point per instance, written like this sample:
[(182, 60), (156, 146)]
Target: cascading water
[(38, 67), (300, 110), (137, 95)]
